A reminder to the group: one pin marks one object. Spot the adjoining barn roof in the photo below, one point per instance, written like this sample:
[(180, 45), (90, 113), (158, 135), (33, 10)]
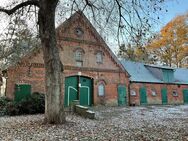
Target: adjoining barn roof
[(138, 72), (181, 75)]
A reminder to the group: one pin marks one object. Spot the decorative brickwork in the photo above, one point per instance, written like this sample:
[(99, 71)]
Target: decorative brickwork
[(30, 69)]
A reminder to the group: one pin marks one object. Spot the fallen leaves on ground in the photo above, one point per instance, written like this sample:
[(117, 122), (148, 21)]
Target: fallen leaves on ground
[(156, 123)]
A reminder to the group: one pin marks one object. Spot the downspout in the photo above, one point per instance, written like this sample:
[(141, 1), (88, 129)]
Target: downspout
[(129, 93)]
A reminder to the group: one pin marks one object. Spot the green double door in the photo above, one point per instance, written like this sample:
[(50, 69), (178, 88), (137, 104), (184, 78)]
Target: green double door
[(122, 98), (143, 96), (78, 88), (164, 96), (185, 96)]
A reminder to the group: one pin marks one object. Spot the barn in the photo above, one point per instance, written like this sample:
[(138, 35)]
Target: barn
[(152, 84), (92, 73)]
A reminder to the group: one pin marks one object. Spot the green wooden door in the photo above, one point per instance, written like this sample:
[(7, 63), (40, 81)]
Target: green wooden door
[(143, 96), (22, 91), (122, 99), (164, 96), (71, 90), (86, 97), (185, 96)]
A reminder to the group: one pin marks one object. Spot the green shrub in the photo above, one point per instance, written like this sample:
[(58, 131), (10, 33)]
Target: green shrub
[(11, 108), (3, 104), (33, 104), (3, 101)]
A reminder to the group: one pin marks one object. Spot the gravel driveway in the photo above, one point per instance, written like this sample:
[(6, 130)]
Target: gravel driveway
[(111, 124)]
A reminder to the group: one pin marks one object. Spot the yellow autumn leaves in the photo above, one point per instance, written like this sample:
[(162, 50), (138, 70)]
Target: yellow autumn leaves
[(171, 45)]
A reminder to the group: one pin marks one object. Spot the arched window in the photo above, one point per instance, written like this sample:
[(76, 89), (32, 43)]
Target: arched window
[(99, 57), (79, 52), (78, 55), (101, 89)]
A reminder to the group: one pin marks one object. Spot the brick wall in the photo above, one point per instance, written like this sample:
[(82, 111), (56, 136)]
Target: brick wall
[(111, 81), (108, 71), (25, 75), (157, 99)]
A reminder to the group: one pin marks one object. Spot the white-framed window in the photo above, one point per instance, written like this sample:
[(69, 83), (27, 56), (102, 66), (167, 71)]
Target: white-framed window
[(79, 63), (99, 57), (153, 92), (174, 93), (133, 93), (101, 89), (79, 53)]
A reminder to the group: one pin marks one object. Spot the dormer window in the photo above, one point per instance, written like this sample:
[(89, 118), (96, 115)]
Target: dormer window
[(99, 57), (79, 53)]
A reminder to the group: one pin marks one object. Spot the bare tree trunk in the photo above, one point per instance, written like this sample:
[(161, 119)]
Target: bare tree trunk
[(54, 108)]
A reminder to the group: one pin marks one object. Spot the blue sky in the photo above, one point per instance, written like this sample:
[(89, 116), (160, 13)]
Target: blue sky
[(175, 8)]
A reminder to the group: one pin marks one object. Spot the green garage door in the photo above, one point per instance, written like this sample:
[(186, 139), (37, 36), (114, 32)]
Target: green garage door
[(185, 96), (164, 96), (71, 90), (143, 96), (78, 88), (122, 99), (22, 91), (86, 96)]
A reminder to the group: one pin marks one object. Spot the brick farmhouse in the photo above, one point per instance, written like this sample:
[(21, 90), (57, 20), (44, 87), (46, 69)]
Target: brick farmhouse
[(93, 74)]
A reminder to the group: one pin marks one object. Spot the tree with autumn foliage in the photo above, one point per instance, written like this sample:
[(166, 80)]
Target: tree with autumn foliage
[(171, 45), (134, 53)]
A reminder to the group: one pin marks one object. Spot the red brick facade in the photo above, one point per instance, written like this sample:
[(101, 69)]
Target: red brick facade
[(31, 69), (158, 98), (110, 72)]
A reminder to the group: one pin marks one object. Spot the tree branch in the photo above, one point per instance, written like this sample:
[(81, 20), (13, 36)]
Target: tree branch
[(23, 4)]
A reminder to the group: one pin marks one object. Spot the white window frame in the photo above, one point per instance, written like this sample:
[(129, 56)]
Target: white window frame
[(153, 92), (99, 57), (133, 92), (101, 90), (175, 93), (78, 55)]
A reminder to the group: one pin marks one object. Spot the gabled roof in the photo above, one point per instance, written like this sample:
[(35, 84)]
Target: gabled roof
[(138, 72), (79, 15)]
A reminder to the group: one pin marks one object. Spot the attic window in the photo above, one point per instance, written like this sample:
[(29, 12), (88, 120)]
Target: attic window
[(78, 31), (99, 57)]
